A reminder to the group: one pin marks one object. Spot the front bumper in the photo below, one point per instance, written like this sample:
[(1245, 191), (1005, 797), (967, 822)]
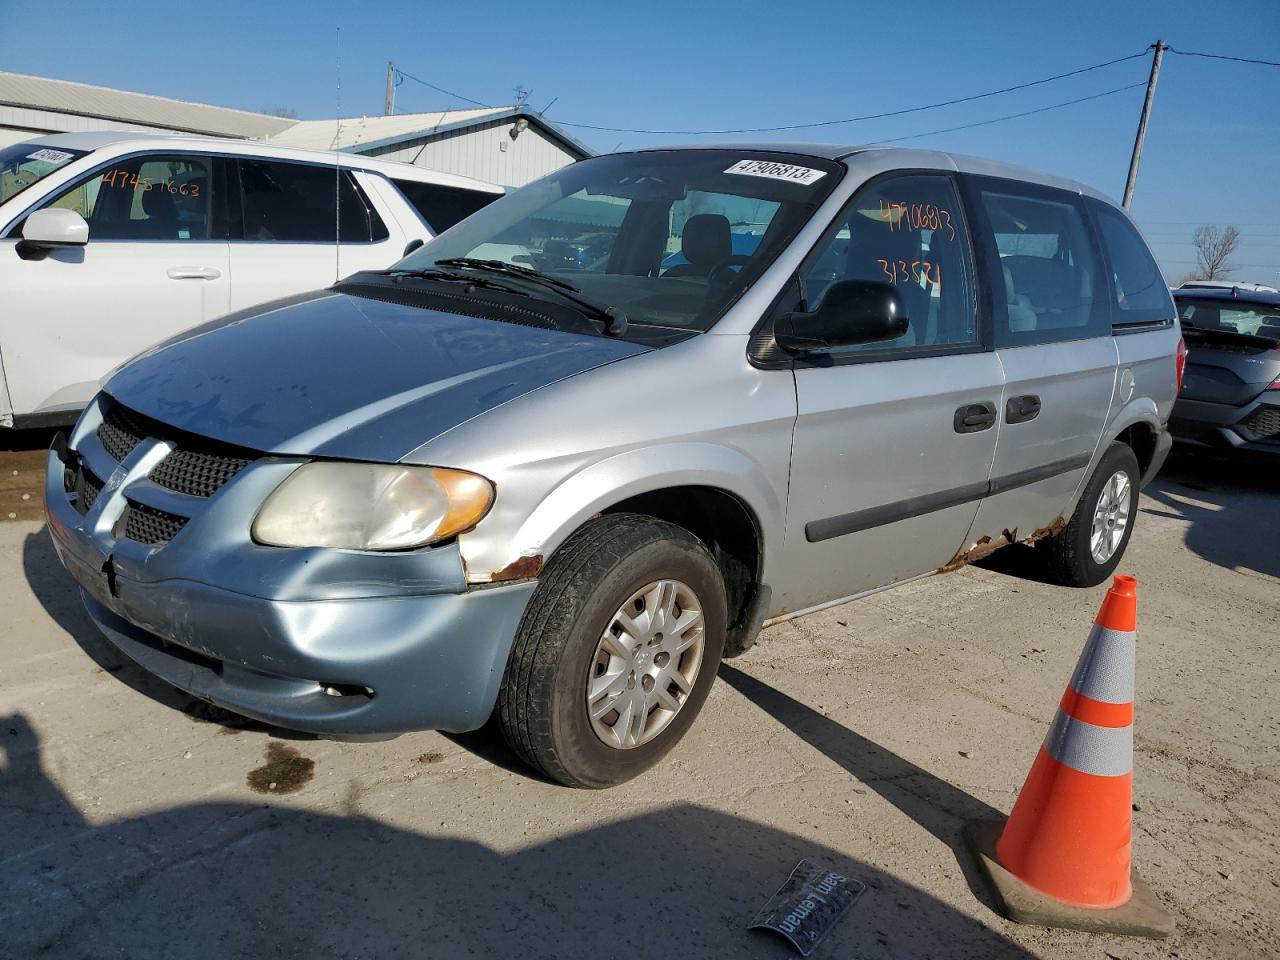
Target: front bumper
[(1250, 429), (325, 641)]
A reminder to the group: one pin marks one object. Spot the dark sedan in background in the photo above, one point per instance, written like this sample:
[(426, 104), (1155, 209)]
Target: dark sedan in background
[(1230, 399)]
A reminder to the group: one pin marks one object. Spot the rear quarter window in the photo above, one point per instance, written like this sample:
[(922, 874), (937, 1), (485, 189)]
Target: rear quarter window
[(443, 206), (1139, 293)]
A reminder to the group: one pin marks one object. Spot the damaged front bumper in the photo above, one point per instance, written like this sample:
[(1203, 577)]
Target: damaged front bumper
[(325, 641)]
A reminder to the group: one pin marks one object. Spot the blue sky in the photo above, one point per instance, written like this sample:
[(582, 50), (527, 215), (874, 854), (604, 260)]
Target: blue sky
[(1211, 153)]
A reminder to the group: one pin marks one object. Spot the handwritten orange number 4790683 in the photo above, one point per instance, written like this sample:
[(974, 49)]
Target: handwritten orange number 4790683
[(917, 216)]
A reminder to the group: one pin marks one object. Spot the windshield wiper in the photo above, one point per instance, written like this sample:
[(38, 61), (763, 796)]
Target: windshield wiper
[(452, 276), (613, 319)]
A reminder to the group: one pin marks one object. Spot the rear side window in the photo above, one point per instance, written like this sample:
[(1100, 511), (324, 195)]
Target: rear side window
[(1139, 293), (443, 206), (147, 198), (300, 203), (1049, 285)]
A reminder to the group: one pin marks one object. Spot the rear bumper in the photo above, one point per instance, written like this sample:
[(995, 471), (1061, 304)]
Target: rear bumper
[(319, 661), (1253, 428)]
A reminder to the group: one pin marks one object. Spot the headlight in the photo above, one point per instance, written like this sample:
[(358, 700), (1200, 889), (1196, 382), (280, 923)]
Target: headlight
[(371, 506)]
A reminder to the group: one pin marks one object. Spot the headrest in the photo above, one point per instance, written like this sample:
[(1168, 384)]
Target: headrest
[(157, 203), (706, 239)]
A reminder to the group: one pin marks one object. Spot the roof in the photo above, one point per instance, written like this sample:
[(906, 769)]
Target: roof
[(904, 157), (128, 140), (357, 132), (105, 103), (370, 133), (1234, 294)]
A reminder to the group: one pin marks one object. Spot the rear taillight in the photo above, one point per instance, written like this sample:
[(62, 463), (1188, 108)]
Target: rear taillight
[(1180, 363)]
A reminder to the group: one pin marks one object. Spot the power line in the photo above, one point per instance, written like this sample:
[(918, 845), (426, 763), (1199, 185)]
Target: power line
[(1015, 116), (1223, 56), (858, 119), (448, 93)]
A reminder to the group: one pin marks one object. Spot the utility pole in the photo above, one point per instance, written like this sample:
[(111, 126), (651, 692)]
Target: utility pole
[(1142, 123), (389, 102)]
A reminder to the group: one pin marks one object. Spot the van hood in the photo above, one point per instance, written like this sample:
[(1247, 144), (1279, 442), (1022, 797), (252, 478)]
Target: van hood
[(335, 375)]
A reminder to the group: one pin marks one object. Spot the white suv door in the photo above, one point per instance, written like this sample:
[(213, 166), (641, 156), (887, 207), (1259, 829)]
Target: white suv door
[(156, 263), (304, 226)]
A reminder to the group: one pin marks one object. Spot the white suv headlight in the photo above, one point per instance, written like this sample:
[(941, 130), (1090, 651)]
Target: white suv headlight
[(371, 506)]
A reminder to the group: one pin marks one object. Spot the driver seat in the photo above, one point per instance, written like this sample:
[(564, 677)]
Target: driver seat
[(706, 241)]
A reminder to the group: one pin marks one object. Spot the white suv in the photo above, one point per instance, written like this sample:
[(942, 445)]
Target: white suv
[(110, 242)]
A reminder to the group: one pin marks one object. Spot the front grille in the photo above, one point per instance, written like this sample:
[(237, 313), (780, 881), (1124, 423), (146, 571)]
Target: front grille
[(120, 431), (1262, 426), (196, 473), (92, 487), (151, 526)]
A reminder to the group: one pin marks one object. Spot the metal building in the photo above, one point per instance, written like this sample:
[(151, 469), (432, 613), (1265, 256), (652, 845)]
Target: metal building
[(504, 145), (509, 146), (34, 106)]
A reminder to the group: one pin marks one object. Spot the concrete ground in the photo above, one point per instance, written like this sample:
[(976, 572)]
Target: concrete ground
[(137, 823)]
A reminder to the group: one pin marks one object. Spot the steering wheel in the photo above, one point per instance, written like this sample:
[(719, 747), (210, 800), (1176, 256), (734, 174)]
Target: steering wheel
[(733, 260)]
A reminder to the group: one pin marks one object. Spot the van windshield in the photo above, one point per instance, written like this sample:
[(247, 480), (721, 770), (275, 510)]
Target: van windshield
[(670, 238), (24, 164)]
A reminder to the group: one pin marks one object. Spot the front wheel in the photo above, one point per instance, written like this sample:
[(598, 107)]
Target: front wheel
[(1089, 548), (616, 653)]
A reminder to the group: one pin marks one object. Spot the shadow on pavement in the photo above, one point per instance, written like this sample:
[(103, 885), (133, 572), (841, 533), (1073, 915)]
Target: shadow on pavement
[(214, 880), (1238, 524), (934, 804), (58, 594)]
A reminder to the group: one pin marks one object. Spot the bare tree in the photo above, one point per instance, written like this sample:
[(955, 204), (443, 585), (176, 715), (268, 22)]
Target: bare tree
[(1213, 250)]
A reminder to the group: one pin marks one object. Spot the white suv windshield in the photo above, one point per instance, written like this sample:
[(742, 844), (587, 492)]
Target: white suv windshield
[(24, 164), (668, 237)]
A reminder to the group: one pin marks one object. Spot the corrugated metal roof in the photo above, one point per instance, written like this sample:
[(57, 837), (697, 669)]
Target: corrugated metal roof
[(63, 96), (365, 134), (354, 132)]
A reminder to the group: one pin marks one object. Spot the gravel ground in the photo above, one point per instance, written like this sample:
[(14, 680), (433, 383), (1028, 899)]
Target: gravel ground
[(137, 823)]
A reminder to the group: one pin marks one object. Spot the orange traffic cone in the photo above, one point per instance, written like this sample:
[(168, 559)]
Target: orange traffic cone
[(1062, 858)]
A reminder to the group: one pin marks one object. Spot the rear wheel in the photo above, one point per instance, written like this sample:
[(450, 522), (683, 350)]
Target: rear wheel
[(616, 653), (1091, 545)]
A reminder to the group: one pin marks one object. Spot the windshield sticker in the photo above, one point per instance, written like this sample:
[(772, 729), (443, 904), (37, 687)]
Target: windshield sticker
[(777, 171), (50, 156)]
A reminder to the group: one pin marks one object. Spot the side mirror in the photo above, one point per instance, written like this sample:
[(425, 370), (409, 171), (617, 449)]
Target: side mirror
[(852, 312), (412, 245), (55, 227)]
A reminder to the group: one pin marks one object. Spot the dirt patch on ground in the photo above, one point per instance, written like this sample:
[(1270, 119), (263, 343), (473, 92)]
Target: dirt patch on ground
[(285, 771), (22, 484)]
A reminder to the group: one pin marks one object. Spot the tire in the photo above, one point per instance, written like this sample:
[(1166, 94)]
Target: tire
[(1068, 555), (560, 647)]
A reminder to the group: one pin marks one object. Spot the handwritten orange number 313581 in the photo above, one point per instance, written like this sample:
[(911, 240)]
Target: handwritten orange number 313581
[(917, 271)]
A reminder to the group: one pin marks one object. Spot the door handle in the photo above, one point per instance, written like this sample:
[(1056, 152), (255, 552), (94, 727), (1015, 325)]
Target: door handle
[(193, 273), (1021, 409), (975, 417)]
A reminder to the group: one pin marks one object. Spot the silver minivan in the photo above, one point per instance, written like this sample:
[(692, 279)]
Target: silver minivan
[(561, 460)]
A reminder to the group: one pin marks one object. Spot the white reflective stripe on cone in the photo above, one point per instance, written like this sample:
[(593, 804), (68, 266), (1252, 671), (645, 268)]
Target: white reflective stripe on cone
[(1088, 748), (1105, 670)]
